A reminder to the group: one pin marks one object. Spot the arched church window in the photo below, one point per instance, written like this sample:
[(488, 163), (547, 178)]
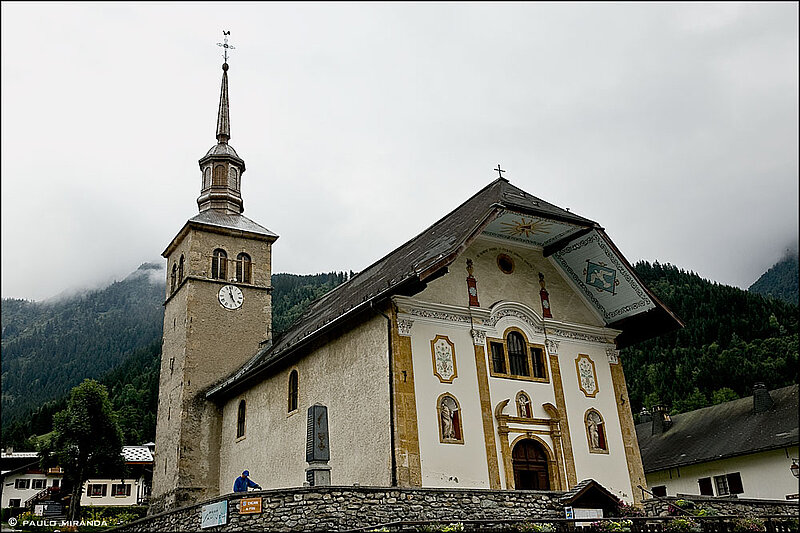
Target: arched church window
[(219, 175), (449, 416), (517, 354), (232, 176), (219, 264), (180, 269), (240, 419), (293, 391), (524, 405), (514, 357), (596, 431), (244, 268), (207, 178), (173, 278)]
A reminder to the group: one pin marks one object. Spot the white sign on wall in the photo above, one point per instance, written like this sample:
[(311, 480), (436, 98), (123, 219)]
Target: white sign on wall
[(214, 514)]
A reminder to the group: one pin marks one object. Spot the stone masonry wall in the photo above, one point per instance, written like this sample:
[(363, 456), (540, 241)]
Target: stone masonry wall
[(334, 508), (727, 506)]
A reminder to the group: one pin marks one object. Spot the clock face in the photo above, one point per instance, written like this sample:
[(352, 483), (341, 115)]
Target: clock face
[(473, 291), (231, 297)]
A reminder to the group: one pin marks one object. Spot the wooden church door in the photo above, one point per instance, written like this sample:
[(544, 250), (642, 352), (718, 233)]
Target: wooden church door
[(530, 466)]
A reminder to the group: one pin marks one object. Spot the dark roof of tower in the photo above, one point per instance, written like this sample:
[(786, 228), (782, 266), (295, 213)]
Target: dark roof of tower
[(222, 221), (222, 149), (407, 269), (725, 430)]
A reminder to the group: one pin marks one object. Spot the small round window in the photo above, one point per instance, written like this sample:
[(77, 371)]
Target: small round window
[(505, 263)]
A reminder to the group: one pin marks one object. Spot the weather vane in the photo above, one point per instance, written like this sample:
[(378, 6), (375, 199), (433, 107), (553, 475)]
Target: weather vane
[(227, 46), (499, 170)]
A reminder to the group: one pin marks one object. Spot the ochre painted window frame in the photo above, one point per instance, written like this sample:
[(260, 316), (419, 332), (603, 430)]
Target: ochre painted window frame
[(528, 345)]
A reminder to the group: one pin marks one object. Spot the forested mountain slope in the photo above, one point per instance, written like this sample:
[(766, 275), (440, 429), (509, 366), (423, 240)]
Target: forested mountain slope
[(780, 281), (732, 339), (113, 335), (49, 347)]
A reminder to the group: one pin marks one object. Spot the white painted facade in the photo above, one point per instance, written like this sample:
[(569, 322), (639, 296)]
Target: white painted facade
[(129, 492), (442, 309), (764, 475), (29, 483)]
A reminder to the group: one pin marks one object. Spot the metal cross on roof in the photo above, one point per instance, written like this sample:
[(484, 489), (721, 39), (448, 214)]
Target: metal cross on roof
[(499, 170), (225, 45)]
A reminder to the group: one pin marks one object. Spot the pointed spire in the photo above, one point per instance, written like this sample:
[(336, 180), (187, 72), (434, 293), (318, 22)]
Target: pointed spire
[(223, 117)]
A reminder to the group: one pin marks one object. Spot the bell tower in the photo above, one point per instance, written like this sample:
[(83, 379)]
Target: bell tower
[(217, 313)]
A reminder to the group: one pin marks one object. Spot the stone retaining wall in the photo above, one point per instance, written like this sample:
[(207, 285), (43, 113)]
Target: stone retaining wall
[(727, 506), (335, 508)]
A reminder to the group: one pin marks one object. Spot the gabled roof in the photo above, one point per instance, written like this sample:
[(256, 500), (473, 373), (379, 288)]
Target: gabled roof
[(729, 429), (591, 490), (407, 269)]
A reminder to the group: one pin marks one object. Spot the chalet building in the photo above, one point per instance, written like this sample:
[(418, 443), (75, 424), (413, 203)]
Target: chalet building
[(483, 353), (25, 484), (742, 448)]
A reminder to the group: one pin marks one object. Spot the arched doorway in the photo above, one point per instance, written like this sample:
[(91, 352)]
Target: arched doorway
[(530, 466)]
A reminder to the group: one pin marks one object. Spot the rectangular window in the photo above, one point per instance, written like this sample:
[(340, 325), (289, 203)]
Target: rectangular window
[(121, 489), (660, 491), (96, 489), (39, 483), (14, 502), (735, 483), (537, 357), (722, 485), (22, 484), (705, 486), (498, 358), (56, 482)]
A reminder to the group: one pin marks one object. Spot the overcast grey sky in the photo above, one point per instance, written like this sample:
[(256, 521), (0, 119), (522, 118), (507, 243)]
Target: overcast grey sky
[(675, 126)]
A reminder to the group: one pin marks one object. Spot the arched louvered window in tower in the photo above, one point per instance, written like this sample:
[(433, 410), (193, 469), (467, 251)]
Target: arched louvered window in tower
[(244, 267), (219, 176), (241, 419), (180, 269), (219, 264), (173, 278), (232, 177)]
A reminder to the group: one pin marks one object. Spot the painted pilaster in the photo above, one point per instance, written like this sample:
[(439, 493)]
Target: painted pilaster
[(406, 437), (632, 454), (486, 409), (561, 405)]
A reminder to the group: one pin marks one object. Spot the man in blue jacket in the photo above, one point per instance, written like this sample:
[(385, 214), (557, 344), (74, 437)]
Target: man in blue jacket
[(242, 482)]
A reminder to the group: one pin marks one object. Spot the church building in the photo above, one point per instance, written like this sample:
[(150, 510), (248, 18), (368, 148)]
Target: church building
[(482, 353)]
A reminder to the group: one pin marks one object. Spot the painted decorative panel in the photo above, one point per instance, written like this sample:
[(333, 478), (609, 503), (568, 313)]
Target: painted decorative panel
[(587, 375), (443, 353), (529, 229), (603, 278)]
